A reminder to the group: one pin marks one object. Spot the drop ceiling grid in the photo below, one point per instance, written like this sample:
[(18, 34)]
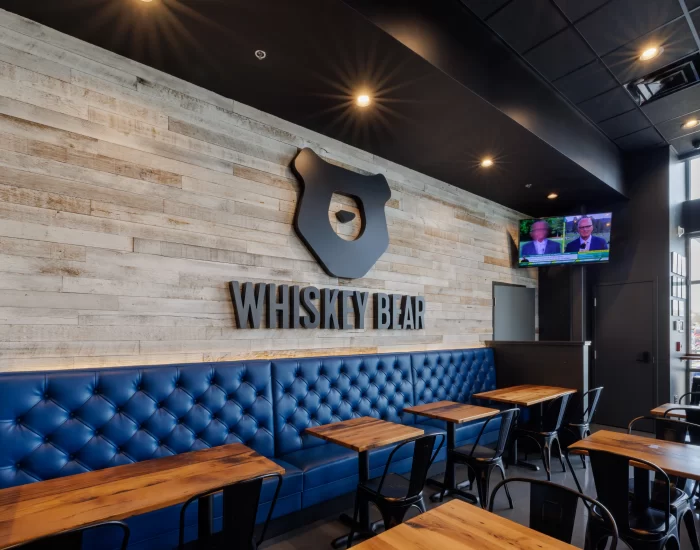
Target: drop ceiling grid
[(589, 50)]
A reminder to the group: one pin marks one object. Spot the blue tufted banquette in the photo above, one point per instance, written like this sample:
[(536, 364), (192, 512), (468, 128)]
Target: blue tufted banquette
[(61, 423)]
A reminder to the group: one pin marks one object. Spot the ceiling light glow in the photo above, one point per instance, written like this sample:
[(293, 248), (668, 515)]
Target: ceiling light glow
[(363, 100), (486, 163), (692, 123), (552, 196), (650, 53)]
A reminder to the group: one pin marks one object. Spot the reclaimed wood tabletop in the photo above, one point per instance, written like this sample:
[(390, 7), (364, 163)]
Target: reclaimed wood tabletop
[(457, 525), (364, 433), (526, 395), (50, 507), (677, 411), (450, 411), (677, 459)]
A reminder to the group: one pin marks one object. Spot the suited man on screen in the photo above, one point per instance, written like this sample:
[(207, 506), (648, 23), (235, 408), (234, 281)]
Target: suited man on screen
[(539, 232), (586, 240)]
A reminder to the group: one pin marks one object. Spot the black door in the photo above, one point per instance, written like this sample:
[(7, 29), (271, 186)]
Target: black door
[(624, 352)]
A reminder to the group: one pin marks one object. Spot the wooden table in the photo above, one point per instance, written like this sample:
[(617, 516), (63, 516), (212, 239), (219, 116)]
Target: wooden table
[(678, 410), (452, 413), (50, 507), (362, 435), (525, 396), (460, 526)]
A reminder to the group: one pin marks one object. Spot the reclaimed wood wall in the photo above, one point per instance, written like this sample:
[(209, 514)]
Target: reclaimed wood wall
[(129, 199)]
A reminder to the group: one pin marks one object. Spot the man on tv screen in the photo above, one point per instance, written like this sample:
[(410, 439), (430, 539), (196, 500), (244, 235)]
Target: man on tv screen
[(586, 240), (539, 232)]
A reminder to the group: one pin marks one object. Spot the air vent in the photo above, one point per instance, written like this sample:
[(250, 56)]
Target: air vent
[(667, 80)]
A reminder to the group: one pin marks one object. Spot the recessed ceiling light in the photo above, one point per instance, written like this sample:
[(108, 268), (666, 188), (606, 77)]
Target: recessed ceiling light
[(692, 123), (528, 185), (146, 0), (260, 54), (487, 163), (363, 100), (552, 196), (650, 53)]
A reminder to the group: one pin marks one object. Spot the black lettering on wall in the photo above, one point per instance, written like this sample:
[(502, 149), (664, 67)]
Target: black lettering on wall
[(329, 308), (420, 312), (382, 315), (277, 306), (248, 308), (308, 295), (344, 308), (359, 301), (295, 304), (395, 301), (407, 313)]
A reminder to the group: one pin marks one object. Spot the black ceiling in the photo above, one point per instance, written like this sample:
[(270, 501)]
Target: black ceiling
[(589, 50), (320, 52)]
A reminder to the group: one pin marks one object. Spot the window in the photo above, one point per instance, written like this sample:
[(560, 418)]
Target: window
[(695, 179), (694, 320)]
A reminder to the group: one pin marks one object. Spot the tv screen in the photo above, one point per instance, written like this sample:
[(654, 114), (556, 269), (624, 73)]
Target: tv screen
[(565, 240)]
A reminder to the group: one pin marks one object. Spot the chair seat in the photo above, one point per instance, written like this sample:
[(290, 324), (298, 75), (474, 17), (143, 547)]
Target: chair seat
[(395, 487), (481, 453), (679, 498)]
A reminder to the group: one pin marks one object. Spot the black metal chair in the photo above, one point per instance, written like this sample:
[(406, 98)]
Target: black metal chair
[(577, 421), (482, 460), (73, 539), (239, 513), (673, 430), (694, 398), (553, 511), (394, 495), (546, 431), (643, 525)]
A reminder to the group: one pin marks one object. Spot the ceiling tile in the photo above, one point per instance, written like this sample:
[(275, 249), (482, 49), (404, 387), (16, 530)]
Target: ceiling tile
[(586, 82), (484, 8), (576, 9), (648, 137), (673, 129), (684, 144), (622, 21), (674, 105), (626, 123), (608, 105), (560, 55), (692, 4), (675, 38), (524, 23)]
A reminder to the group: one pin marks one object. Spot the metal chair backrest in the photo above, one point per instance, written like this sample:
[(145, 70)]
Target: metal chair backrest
[(424, 453), (593, 397), (553, 508), (508, 421), (611, 476), (693, 397), (240, 510), (691, 427), (73, 539), (554, 414)]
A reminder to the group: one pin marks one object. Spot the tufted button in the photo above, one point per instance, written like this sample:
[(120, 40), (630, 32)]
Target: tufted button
[(18, 465), (119, 449), (98, 432), (46, 439), (19, 420), (160, 405), (95, 391), (160, 443), (71, 457), (118, 410), (46, 395), (139, 387), (71, 414), (230, 430)]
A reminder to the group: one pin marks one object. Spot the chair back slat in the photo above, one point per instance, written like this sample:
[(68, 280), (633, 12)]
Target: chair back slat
[(554, 414), (423, 452)]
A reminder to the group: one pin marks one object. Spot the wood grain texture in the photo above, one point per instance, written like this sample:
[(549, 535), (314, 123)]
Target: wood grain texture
[(525, 395), (449, 411), (457, 525), (365, 433), (129, 199), (674, 458), (49, 507), (677, 412)]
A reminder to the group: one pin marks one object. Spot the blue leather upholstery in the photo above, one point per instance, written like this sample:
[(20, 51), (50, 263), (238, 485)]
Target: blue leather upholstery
[(61, 423)]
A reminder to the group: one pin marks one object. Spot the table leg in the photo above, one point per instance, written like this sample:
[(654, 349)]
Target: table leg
[(449, 486), (363, 528), (514, 460), (204, 518)]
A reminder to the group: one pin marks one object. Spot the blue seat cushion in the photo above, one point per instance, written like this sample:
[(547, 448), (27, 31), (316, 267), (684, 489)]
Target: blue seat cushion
[(324, 464)]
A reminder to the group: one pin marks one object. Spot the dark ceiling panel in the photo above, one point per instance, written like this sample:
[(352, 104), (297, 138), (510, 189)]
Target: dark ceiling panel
[(484, 8), (576, 9), (674, 105), (586, 82), (673, 129), (643, 139), (684, 145), (676, 40), (626, 123), (692, 4), (525, 23), (607, 105), (560, 55), (622, 21)]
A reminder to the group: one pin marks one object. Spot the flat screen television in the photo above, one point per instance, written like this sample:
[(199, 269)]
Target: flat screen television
[(565, 240)]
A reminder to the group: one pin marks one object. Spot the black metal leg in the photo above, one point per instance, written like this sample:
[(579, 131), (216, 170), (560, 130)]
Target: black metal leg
[(449, 486), (204, 518), (363, 528), (513, 459)]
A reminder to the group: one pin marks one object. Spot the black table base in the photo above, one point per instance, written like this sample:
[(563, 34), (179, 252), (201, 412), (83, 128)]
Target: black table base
[(449, 486)]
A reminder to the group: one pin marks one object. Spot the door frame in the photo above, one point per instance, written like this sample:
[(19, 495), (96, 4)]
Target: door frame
[(654, 334), (494, 284)]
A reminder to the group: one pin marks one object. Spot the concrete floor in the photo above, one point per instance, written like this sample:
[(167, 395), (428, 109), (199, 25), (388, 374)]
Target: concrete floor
[(319, 534)]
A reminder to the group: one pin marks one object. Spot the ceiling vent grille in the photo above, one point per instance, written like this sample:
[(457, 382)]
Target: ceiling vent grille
[(667, 80)]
